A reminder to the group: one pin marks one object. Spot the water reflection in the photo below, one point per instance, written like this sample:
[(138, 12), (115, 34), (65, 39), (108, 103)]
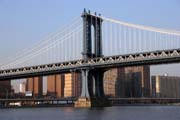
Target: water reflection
[(107, 113)]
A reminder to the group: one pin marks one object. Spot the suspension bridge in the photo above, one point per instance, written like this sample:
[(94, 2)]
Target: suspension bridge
[(91, 44)]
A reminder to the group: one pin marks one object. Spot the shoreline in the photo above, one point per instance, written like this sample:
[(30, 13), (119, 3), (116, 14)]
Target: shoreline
[(72, 105)]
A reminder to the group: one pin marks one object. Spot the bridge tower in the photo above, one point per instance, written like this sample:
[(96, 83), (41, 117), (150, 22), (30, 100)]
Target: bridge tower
[(89, 22), (92, 79)]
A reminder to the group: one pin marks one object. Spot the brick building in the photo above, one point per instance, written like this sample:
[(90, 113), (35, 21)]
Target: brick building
[(55, 85), (35, 84)]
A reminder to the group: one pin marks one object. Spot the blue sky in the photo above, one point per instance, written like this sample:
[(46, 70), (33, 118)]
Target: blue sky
[(24, 22)]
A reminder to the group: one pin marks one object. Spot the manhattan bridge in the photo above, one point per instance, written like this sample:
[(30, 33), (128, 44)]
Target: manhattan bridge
[(90, 45)]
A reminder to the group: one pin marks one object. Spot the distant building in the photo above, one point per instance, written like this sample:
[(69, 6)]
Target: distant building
[(77, 84), (68, 85), (72, 85), (165, 86), (55, 85), (35, 84), (127, 82), (140, 79), (5, 88), (113, 79), (22, 87), (12, 91)]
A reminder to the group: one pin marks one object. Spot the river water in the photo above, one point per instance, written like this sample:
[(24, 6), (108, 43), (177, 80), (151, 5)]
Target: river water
[(108, 113)]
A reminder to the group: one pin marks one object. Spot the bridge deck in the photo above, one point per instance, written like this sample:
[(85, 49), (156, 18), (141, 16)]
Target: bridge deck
[(147, 58)]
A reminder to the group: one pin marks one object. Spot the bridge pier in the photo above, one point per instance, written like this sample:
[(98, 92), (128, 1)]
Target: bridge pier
[(92, 94), (84, 99), (98, 98)]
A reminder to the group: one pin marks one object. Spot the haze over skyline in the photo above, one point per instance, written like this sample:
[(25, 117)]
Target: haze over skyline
[(24, 23)]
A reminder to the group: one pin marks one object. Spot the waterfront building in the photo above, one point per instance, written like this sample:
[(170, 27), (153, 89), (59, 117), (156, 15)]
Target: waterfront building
[(5, 88), (113, 82), (35, 85), (139, 77), (22, 87), (165, 86), (72, 85), (55, 86), (127, 82)]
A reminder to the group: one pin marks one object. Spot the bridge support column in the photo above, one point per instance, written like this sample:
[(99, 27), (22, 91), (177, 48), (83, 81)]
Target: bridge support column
[(84, 100), (98, 98), (92, 90)]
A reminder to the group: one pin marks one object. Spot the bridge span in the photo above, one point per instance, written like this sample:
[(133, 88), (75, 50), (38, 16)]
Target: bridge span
[(146, 58), (91, 48)]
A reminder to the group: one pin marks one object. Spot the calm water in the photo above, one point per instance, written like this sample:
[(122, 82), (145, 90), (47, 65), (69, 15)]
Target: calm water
[(109, 113)]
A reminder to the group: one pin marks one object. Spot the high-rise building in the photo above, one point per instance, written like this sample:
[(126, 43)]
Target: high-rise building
[(141, 76), (68, 85), (35, 84), (133, 86), (165, 86), (55, 85), (38, 86), (30, 84), (5, 88), (60, 86), (127, 82), (51, 85), (72, 85), (77, 83), (22, 87), (111, 82)]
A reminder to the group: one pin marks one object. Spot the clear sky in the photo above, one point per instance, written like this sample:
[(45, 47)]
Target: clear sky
[(24, 22)]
